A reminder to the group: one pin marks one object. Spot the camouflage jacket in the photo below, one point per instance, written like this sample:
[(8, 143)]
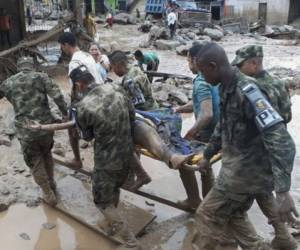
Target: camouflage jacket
[(141, 81), (27, 91), (252, 161), (107, 111), (277, 93)]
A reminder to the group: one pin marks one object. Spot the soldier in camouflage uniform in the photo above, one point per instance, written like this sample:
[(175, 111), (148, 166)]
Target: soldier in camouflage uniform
[(134, 81), (106, 114), (249, 60), (27, 91), (249, 151), (137, 86)]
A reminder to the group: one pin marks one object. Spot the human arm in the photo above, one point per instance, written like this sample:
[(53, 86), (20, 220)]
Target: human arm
[(212, 148), (203, 120), (187, 108)]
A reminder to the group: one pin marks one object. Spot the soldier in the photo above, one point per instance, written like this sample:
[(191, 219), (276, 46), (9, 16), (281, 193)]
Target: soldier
[(106, 114), (134, 81), (250, 133), (68, 45), (249, 60), (27, 91)]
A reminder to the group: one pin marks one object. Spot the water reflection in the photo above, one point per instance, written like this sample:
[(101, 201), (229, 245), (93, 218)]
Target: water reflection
[(66, 235)]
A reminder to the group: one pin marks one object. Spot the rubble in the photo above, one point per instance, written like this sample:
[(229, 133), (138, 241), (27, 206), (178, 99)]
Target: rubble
[(214, 34), (166, 44), (183, 49), (124, 18), (178, 97), (156, 33)]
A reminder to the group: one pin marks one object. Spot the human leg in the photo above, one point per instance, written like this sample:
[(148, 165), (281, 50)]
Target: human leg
[(283, 239), (190, 184), (142, 177), (33, 157), (222, 215), (106, 192), (147, 137)]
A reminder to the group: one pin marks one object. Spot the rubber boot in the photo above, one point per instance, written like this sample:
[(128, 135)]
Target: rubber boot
[(142, 177), (48, 195), (130, 179), (208, 181), (283, 240), (41, 178), (118, 226), (190, 184), (49, 165)]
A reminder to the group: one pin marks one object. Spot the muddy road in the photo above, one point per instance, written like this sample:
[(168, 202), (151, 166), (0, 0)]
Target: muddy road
[(27, 227)]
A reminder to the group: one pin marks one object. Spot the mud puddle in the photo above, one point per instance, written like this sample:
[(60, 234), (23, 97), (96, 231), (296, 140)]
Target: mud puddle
[(23, 228)]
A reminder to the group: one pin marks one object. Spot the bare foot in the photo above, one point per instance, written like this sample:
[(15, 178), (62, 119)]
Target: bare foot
[(177, 160)]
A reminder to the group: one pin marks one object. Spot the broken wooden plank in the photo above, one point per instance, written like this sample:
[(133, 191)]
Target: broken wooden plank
[(76, 201)]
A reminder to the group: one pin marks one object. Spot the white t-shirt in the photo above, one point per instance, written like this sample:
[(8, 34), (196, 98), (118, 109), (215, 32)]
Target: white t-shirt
[(172, 18), (83, 58)]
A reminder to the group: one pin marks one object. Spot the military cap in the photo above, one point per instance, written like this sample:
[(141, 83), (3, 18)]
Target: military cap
[(246, 53), (78, 72), (25, 63)]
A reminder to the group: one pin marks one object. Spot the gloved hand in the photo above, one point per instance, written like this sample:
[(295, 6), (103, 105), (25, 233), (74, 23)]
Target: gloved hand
[(286, 207)]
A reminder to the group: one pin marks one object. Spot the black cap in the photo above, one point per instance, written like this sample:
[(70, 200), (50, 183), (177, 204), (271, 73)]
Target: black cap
[(77, 73)]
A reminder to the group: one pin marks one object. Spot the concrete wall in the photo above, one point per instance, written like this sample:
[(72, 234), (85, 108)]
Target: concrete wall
[(15, 9), (277, 10)]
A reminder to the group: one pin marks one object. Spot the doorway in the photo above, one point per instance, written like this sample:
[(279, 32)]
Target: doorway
[(216, 13), (262, 12)]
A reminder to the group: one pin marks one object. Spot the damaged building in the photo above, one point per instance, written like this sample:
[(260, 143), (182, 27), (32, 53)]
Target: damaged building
[(276, 12), (15, 9)]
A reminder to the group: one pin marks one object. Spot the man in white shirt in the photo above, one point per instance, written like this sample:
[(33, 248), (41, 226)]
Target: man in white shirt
[(172, 19), (69, 46)]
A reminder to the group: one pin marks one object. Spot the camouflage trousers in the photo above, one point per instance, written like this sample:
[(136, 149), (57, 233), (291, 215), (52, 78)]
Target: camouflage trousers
[(37, 156), (223, 215), (106, 186)]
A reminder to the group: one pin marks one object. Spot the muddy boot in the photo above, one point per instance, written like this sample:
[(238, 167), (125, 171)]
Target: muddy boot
[(41, 178), (118, 226), (130, 179), (49, 167), (142, 177), (191, 187), (208, 181), (283, 240), (53, 185), (48, 195)]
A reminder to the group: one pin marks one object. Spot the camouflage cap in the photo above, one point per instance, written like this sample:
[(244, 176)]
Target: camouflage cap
[(246, 53), (25, 63)]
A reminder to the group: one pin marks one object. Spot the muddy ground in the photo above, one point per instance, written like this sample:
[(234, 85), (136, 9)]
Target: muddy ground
[(22, 226)]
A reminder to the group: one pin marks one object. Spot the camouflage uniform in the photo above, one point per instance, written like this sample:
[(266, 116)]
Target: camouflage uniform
[(107, 112), (278, 95), (141, 81), (277, 92), (27, 91), (246, 171)]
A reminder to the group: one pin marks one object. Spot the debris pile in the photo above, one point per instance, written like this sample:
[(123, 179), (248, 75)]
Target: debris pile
[(173, 91)]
